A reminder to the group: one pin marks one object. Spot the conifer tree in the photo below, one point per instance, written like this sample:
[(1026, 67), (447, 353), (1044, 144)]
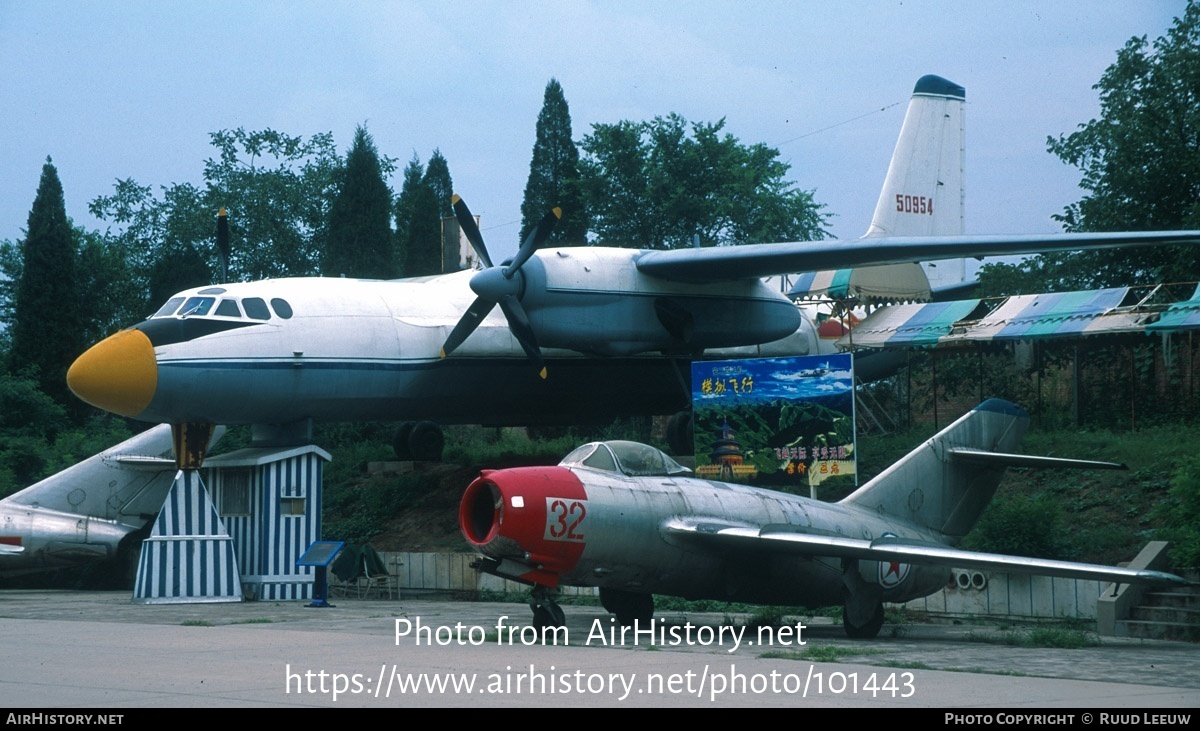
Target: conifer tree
[(437, 177), (418, 223), (554, 178), (46, 334), (360, 242)]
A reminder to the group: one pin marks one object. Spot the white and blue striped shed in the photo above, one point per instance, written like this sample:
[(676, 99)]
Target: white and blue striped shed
[(189, 556), (270, 502)]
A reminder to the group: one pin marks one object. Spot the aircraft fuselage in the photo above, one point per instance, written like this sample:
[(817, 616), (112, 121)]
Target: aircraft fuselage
[(579, 527), (278, 351)]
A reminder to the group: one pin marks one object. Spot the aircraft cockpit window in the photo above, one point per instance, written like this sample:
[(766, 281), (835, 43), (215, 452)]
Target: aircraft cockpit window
[(638, 460), (196, 306), (628, 458), (282, 308), (228, 308), (601, 459), (169, 308), (256, 308)]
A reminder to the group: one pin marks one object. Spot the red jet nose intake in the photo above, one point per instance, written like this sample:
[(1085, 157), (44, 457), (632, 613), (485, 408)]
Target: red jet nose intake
[(533, 515)]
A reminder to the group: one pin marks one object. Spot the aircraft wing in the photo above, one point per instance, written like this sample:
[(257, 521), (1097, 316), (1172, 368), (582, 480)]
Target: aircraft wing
[(723, 263), (787, 539), (7, 549)]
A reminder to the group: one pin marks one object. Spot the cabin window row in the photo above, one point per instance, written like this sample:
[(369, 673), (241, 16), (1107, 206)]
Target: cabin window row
[(255, 308)]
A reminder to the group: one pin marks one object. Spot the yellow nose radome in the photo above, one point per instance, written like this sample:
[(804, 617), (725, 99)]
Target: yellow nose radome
[(117, 374)]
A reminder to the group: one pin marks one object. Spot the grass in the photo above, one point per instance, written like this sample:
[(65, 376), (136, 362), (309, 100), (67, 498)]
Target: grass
[(823, 653), (196, 623), (1063, 638), (254, 620)]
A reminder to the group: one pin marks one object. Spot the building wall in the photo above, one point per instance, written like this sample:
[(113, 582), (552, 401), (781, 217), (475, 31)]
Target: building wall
[(268, 541)]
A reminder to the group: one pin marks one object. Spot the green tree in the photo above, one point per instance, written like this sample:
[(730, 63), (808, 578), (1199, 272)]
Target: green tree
[(361, 243), (1140, 164), (46, 317), (554, 174), (418, 223), (177, 268), (277, 188), (102, 278), (437, 177), (658, 184)]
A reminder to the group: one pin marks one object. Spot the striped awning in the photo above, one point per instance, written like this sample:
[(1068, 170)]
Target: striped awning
[(1179, 316), (1022, 317), (885, 283)]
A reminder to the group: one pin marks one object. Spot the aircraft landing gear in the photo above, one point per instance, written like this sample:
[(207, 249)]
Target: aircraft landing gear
[(680, 435), (629, 606), (866, 631), (421, 441), (546, 612)]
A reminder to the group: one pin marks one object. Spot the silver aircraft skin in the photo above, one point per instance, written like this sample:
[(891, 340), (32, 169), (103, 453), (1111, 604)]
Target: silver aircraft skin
[(84, 513), (628, 519), (562, 335)]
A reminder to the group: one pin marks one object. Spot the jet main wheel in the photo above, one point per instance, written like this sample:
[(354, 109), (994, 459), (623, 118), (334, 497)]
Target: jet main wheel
[(400, 440), (680, 435), (867, 631), (426, 441)]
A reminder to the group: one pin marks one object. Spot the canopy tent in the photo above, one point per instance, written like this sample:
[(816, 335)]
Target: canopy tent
[(1118, 310)]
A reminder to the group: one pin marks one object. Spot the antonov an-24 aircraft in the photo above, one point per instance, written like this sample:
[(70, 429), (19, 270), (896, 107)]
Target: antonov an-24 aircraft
[(580, 333)]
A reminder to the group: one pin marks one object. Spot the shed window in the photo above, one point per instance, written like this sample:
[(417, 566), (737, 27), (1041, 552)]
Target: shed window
[(292, 506), (235, 492)]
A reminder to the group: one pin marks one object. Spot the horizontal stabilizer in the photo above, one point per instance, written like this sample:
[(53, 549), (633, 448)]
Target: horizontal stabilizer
[(999, 459), (10, 550), (788, 539)]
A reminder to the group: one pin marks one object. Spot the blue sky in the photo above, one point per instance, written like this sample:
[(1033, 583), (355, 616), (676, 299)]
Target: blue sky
[(132, 89)]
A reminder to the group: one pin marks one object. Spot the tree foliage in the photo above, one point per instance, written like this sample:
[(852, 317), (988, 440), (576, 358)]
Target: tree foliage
[(1140, 165), (418, 222), (1180, 515), (554, 173), (46, 312), (437, 177), (657, 184), (277, 188), (361, 242)]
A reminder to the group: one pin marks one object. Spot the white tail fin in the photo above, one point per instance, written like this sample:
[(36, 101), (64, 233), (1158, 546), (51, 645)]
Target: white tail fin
[(922, 195), (923, 192)]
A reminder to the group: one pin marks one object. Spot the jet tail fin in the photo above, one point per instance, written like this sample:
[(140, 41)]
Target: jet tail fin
[(922, 195), (129, 479), (945, 483)]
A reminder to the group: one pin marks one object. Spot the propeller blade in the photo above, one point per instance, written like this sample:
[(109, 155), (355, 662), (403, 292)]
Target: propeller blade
[(223, 242), (519, 324), (470, 320), (471, 229), (533, 241)]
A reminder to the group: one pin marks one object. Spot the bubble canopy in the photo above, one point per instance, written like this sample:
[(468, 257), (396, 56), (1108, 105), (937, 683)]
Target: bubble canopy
[(624, 457)]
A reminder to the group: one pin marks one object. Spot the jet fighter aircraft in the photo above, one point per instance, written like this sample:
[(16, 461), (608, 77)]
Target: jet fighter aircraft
[(564, 335), (89, 511), (628, 519)]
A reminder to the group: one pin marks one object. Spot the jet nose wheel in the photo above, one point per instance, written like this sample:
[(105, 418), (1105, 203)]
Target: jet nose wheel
[(546, 612)]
